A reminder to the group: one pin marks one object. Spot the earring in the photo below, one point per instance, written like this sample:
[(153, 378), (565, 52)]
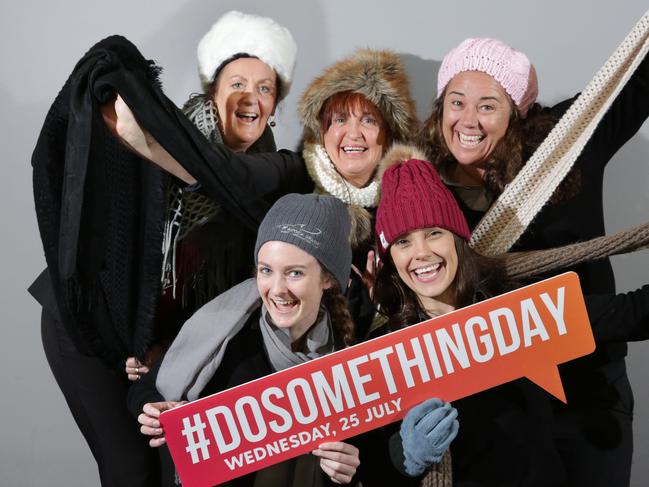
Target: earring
[(271, 121)]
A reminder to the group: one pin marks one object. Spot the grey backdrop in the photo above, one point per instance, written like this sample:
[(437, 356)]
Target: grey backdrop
[(40, 41)]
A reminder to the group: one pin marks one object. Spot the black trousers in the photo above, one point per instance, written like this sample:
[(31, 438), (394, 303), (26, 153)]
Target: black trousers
[(595, 437), (96, 396)]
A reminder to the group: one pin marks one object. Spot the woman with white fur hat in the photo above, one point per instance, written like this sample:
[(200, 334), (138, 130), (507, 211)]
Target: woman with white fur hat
[(246, 65)]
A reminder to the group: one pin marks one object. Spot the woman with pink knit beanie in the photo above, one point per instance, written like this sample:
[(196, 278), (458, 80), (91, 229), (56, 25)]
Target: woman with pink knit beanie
[(484, 125)]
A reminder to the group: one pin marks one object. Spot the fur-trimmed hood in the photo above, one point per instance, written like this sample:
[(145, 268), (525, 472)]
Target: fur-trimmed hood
[(377, 75), (399, 153)]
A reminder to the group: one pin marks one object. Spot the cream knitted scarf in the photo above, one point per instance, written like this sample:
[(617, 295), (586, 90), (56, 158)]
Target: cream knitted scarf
[(328, 181), (524, 197)]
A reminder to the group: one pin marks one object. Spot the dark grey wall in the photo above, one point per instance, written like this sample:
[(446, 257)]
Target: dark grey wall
[(40, 41)]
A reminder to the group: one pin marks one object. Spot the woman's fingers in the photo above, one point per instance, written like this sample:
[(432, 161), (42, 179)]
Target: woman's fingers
[(157, 442), (149, 431), (370, 266), (338, 460), (333, 473), (132, 362), (338, 446), (109, 116), (124, 113), (368, 275), (151, 427), (153, 409), (150, 422), (135, 369), (356, 271)]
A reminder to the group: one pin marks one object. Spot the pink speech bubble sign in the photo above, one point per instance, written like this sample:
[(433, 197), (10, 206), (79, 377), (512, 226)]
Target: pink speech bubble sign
[(524, 333)]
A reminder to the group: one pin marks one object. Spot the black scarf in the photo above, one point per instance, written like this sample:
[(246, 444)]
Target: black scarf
[(100, 209)]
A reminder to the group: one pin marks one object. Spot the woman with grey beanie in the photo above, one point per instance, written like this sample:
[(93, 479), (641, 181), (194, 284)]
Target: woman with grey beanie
[(291, 312)]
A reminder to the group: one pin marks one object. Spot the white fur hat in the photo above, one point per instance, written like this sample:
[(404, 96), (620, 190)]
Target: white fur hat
[(262, 37)]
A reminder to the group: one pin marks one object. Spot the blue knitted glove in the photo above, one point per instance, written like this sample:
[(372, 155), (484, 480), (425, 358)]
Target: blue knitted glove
[(427, 430)]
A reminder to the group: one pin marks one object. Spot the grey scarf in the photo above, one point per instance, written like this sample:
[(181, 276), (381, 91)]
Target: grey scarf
[(197, 351), (317, 342)]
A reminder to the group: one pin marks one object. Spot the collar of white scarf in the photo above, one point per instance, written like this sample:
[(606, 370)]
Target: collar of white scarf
[(329, 181)]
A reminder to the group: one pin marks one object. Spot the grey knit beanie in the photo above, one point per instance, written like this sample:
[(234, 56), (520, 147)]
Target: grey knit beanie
[(319, 225)]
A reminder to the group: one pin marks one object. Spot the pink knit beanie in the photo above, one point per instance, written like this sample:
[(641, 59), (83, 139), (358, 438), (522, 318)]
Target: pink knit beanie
[(511, 68), (413, 196)]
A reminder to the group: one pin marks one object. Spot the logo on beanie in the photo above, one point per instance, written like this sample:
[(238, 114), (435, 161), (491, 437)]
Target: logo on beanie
[(384, 242), (300, 230)]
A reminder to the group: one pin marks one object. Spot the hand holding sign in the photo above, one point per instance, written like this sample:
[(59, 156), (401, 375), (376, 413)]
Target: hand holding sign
[(426, 433), (526, 332), (150, 420), (338, 460)]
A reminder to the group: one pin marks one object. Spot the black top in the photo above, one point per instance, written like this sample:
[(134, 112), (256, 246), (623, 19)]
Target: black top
[(502, 440)]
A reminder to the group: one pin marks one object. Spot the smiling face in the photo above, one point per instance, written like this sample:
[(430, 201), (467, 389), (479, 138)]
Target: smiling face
[(476, 114), (426, 261), (245, 96), (291, 284), (355, 139)]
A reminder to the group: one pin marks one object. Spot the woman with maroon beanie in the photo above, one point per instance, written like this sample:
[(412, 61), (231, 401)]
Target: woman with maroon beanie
[(428, 270)]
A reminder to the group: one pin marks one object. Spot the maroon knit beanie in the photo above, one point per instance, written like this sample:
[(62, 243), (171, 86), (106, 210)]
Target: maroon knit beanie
[(413, 196)]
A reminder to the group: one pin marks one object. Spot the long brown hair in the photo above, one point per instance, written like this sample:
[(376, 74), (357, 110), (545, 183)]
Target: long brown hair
[(521, 139), (477, 277), (335, 303)]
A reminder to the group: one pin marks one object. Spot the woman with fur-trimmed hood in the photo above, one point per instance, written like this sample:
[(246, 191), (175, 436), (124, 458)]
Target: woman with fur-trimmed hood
[(352, 114)]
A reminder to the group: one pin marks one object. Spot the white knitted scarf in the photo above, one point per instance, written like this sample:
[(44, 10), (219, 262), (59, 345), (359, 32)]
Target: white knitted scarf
[(524, 197), (329, 181)]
